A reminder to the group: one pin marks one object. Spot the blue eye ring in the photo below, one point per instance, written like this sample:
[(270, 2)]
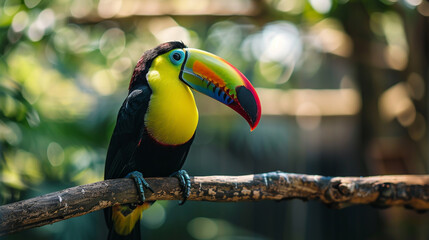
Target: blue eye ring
[(177, 56)]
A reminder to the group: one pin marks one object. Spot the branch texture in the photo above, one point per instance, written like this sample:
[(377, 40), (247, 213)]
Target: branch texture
[(411, 191)]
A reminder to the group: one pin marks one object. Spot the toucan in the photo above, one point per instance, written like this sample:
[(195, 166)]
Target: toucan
[(156, 123)]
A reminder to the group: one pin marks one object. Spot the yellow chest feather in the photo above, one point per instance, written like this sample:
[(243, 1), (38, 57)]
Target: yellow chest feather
[(172, 115)]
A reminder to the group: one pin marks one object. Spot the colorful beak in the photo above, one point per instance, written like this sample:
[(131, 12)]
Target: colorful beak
[(218, 79)]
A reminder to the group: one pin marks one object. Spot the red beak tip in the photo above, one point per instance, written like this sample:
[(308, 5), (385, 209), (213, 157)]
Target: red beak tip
[(253, 125)]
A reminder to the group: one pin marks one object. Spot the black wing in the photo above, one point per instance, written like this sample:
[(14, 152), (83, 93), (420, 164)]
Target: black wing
[(126, 136)]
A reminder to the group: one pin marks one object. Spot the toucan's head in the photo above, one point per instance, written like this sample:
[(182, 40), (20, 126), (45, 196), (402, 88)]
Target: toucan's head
[(205, 73)]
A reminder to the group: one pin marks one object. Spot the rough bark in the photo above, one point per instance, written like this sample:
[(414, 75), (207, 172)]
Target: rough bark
[(411, 191)]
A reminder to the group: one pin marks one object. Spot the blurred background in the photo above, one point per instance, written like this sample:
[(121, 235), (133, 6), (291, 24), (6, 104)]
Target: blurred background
[(343, 86)]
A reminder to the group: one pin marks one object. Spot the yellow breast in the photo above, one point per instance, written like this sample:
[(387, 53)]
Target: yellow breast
[(172, 115)]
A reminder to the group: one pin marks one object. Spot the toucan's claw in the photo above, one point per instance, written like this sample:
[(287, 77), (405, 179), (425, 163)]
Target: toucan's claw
[(140, 183), (185, 184)]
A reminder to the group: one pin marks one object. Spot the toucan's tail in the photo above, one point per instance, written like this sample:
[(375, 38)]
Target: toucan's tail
[(124, 221), (133, 235)]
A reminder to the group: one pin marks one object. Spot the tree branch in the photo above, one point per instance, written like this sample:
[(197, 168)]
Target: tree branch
[(411, 191)]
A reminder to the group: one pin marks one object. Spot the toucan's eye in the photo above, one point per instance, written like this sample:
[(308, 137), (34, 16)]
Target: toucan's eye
[(177, 56)]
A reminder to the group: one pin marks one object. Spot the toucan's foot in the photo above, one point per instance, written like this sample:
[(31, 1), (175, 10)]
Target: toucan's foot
[(185, 184), (140, 183)]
